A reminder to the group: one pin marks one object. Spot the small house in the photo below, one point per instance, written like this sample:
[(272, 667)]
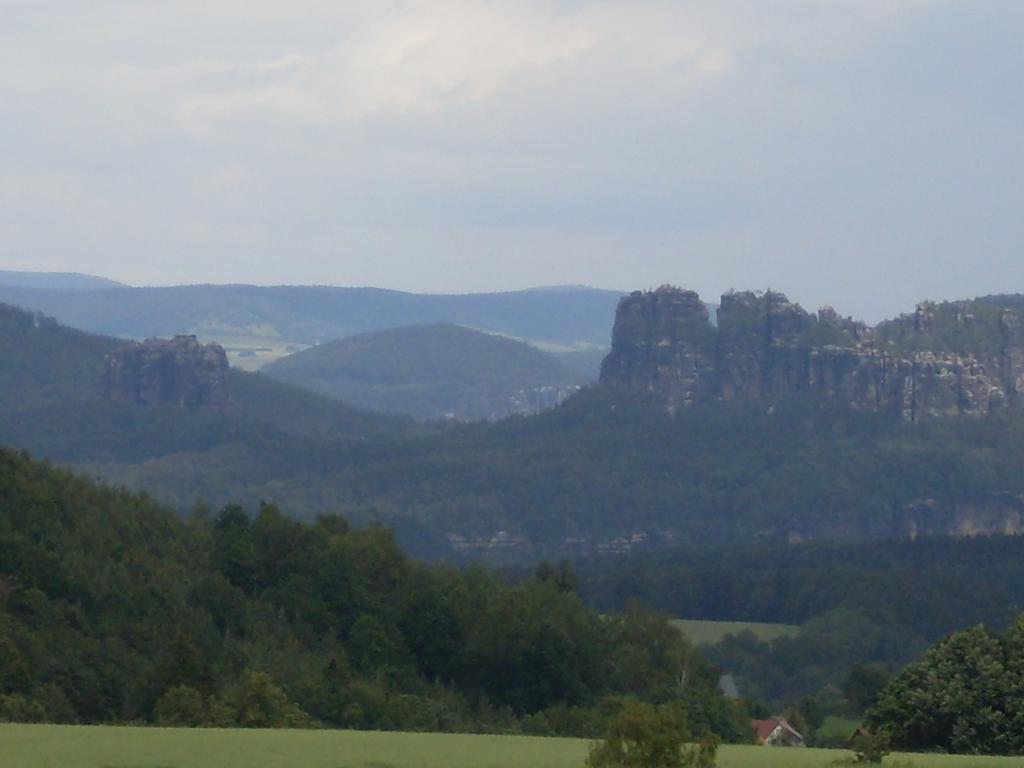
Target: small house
[(776, 732)]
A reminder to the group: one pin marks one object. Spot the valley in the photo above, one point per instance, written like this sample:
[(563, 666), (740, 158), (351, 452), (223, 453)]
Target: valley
[(719, 482), (490, 384)]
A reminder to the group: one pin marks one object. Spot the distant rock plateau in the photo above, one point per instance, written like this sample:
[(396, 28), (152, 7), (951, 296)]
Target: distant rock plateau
[(956, 358)]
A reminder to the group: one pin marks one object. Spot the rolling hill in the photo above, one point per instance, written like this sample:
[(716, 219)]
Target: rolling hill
[(258, 324), (431, 372)]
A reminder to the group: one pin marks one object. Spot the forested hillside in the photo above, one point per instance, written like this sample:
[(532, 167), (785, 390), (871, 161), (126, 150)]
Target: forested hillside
[(45, 363), (599, 475), (431, 372), (603, 473), (113, 609)]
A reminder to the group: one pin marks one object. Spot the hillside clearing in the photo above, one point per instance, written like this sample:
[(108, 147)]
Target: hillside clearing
[(713, 632)]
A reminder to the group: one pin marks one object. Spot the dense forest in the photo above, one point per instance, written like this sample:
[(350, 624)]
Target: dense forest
[(603, 474), (114, 609)]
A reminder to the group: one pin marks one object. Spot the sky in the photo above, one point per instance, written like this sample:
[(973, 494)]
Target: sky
[(861, 153)]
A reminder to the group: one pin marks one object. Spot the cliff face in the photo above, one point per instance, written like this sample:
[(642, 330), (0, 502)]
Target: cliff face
[(180, 371), (938, 361), (999, 513)]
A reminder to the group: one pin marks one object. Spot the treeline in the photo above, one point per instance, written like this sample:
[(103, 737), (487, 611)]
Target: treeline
[(943, 583), (842, 595), (112, 609)]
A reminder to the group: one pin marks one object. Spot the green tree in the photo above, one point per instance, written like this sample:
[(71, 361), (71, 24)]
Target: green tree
[(233, 553), (14, 672), (260, 703), (871, 746), (959, 698), (641, 736), (373, 644), (180, 705), (15, 708), (862, 684)]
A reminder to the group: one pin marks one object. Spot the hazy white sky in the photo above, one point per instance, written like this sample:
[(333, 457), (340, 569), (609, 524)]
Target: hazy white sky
[(864, 153)]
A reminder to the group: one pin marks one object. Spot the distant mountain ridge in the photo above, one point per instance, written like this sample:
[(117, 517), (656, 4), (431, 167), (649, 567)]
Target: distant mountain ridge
[(432, 372), (56, 281), (256, 324)]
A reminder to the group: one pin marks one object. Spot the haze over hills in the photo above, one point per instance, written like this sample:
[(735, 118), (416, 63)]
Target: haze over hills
[(54, 400), (611, 470), (257, 324), (432, 372), (56, 281), (720, 487)]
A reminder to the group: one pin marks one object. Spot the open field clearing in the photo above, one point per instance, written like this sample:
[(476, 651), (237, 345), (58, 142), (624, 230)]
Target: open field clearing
[(46, 746), (712, 632)]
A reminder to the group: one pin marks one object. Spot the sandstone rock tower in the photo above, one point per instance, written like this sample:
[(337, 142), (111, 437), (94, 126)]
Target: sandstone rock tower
[(180, 371), (765, 347)]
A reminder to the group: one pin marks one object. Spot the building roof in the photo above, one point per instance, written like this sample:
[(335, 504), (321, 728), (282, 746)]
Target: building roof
[(765, 728)]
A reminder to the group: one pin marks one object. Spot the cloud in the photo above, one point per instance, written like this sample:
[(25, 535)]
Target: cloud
[(419, 59), (217, 67), (474, 144)]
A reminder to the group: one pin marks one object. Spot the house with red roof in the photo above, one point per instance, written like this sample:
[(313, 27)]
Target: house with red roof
[(776, 732)]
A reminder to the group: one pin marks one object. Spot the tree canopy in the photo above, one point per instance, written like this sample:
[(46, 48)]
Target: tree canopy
[(113, 609), (965, 696)]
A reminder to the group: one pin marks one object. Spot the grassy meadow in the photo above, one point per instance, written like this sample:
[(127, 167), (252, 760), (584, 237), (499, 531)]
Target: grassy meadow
[(52, 746), (712, 632)]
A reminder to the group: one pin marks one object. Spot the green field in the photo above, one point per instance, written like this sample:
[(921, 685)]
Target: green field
[(50, 746), (712, 632)]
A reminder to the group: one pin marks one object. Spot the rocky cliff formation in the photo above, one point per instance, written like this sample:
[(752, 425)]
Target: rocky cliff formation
[(996, 513), (949, 359), (180, 371)]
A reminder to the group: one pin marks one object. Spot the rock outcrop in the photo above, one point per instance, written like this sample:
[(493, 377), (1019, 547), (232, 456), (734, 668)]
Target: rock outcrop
[(996, 513), (941, 360), (180, 371)]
